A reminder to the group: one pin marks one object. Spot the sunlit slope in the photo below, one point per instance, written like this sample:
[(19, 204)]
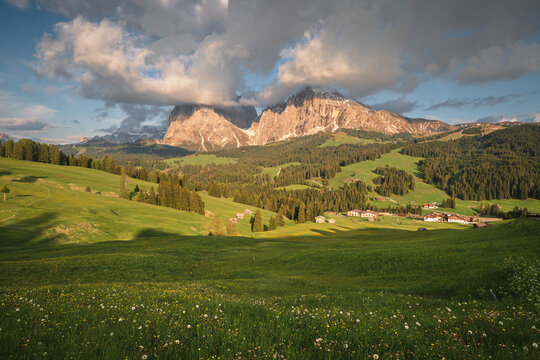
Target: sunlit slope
[(423, 192), (49, 202)]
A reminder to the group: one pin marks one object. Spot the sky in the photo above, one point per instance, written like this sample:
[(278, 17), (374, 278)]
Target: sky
[(78, 68)]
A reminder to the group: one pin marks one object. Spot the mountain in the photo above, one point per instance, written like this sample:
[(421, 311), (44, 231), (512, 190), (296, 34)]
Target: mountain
[(205, 128), (308, 112), (121, 137), (4, 137)]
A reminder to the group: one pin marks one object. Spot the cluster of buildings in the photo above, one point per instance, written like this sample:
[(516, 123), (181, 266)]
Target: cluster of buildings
[(322, 220), (240, 216), (442, 217)]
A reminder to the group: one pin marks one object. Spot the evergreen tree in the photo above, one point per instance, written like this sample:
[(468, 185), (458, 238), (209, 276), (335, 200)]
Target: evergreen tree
[(136, 188), (257, 222), (216, 227), (272, 225), (232, 229), (214, 189), (5, 190), (124, 186), (280, 220), (301, 214), (88, 189)]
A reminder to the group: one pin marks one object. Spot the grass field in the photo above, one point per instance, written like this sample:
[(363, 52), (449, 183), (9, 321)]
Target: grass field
[(93, 276), (340, 138), (200, 159)]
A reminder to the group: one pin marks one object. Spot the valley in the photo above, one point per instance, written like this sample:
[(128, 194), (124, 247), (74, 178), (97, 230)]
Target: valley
[(103, 248)]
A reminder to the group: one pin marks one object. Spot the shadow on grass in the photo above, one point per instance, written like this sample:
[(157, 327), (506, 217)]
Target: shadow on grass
[(437, 263), (29, 179), (5, 172), (25, 232)]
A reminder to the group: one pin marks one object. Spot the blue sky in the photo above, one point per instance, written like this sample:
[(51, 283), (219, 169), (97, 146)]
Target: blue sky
[(69, 68)]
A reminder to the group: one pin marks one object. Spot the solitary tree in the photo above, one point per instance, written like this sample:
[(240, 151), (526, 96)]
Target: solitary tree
[(124, 186), (272, 225), (257, 222), (5, 190), (88, 189), (231, 230), (215, 227)]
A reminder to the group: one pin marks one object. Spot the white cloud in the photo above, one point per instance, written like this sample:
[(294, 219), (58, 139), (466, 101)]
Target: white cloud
[(23, 124), (110, 64)]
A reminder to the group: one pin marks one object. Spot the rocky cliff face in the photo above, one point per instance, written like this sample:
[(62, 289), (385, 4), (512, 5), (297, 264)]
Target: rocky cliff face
[(316, 110), (306, 113), (204, 129)]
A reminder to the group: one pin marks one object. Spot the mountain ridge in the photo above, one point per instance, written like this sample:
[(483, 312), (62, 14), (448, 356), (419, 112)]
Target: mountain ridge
[(310, 111)]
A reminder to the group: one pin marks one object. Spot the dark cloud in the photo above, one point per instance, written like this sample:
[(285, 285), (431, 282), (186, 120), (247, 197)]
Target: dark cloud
[(400, 105), (166, 52), (109, 129), (139, 114), (459, 103), (23, 124)]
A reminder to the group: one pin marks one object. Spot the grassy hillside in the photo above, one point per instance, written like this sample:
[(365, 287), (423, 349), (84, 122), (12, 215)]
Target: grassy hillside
[(340, 138), (423, 193), (53, 196)]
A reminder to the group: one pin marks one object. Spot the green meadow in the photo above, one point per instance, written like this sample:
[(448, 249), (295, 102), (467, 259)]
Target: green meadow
[(200, 159), (92, 276), (340, 138)]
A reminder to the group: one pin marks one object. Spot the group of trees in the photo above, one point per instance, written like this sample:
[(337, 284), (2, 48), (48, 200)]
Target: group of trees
[(171, 193), (503, 164), (301, 205), (393, 181), (495, 210), (27, 149), (449, 203)]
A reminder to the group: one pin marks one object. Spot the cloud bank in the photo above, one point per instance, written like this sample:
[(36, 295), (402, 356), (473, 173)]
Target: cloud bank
[(166, 52)]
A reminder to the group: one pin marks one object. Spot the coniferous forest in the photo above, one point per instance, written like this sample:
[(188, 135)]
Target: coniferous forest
[(500, 165)]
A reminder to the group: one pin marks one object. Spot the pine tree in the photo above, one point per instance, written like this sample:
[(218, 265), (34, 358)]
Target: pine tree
[(231, 230), (280, 220), (5, 190), (272, 225), (124, 186), (216, 227), (88, 189), (301, 214), (257, 222)]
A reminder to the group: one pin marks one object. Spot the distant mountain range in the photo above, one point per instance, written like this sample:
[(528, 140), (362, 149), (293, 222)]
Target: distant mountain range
[(122, 137), (313, 110)]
